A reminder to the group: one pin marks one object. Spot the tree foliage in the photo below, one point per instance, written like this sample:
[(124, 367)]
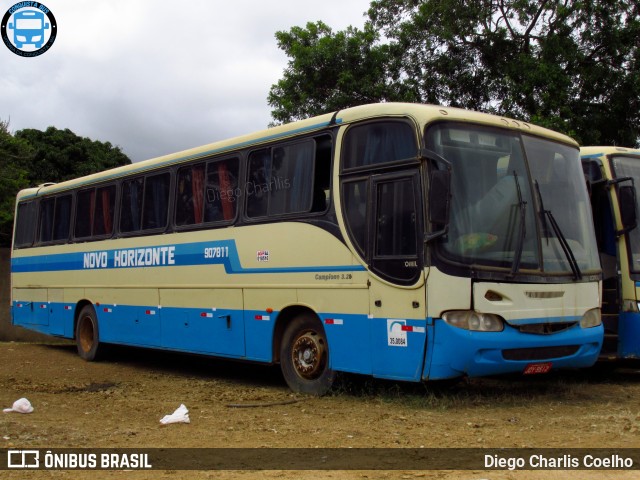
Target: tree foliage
[(329, 71), (31, 157), (573, 66)]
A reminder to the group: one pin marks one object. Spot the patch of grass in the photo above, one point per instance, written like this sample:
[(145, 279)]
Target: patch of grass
[(576, 387)]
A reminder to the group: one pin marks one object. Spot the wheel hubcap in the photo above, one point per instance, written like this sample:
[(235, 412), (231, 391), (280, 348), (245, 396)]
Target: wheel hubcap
[(308, 355)]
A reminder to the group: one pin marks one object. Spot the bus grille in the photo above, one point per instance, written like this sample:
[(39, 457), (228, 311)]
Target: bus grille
[(545, 328), (541, 353)]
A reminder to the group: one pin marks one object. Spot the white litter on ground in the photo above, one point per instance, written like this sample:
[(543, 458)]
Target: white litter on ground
[(22, 405), (181, 415)]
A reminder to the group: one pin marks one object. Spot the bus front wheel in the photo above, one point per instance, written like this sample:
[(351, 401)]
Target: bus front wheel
[(304, 356), (87, 338)]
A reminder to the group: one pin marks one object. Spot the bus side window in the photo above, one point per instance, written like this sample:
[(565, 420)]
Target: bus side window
[(156, 201), (105, 208), (257, 183), (190, 195), (396, 219), (377, 143), (25, 225), (131, 208), (281, 180), (62, 218), (55, 218), (322, 175), (84, 213), (94, 212), (46, 219), (222, 190), (290, 186), (354, 203)]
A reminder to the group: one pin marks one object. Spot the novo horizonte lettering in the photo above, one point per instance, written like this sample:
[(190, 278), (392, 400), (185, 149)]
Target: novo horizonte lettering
[(131, 257)]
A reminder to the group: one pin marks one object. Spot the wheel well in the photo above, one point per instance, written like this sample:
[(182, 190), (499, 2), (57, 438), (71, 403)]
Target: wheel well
[(79, 306), (284, 318)]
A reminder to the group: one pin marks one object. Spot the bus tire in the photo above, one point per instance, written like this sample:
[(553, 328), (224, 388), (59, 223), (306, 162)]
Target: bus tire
[(87, 334), (304, 356)]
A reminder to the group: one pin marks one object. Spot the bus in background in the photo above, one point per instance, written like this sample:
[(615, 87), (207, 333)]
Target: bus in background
[(613, 174), (403, 241)]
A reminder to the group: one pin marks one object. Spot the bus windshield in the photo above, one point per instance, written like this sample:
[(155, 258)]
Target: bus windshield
[(518, 202), (630, 167)]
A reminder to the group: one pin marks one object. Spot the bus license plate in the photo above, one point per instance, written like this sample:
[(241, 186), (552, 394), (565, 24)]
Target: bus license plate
[(537, 368)]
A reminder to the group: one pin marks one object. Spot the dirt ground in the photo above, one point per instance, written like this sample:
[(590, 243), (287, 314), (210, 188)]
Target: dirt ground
[(118, 402)]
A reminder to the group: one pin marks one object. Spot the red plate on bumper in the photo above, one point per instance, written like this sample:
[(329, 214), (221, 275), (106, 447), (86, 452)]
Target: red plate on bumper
[(536, 368)]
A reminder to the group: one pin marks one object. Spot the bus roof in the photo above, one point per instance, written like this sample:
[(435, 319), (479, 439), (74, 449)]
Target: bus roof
[(421, 113), (596, 152)]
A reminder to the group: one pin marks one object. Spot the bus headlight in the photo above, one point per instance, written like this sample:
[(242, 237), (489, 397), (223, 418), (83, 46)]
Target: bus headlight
[(475, 321), (591, 319)]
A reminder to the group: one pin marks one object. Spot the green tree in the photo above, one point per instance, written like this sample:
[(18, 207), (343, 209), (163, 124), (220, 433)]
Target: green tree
[(329, 71), (60, 155), (15, 154), (32, 157), (573, 66)]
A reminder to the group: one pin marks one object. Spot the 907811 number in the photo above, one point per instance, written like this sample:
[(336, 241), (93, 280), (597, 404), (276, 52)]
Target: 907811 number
[(216, 252)]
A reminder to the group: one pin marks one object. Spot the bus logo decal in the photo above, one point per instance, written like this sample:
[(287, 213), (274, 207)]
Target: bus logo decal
[(396, 333), (28, 29)]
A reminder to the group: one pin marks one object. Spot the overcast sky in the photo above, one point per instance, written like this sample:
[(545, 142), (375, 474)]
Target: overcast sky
[(157, 76)]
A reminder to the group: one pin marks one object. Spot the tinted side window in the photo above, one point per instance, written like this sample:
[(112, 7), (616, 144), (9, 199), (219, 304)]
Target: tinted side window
[(62, 218), (131, 208), (281, 180), (55, 218), (156, 201), (84, 213), (222, 191), (207, 193), (396, 219), (354, 203), (105, 208), (190, 195), (376, 143), (46, 219), (258, 182), (25, 225), (94, 212)]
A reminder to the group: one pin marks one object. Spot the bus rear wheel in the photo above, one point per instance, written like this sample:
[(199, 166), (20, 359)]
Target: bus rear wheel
[(304, 356), (87, 335)]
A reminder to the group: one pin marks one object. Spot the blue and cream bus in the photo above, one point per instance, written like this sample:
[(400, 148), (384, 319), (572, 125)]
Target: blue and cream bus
[(402, 241), (613, 174)]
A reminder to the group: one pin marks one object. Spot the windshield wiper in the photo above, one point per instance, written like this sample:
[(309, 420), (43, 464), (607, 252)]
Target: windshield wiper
[(543, 217), (546, 214), (523, 229)]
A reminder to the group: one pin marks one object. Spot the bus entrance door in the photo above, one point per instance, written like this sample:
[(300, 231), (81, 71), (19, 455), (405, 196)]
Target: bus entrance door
[(397, 287)]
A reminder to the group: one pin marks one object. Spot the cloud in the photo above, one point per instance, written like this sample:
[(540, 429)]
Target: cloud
[(154, 77)]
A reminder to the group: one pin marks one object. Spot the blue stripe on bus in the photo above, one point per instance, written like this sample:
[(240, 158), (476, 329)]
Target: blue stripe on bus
[(222, 252), (245, 334)]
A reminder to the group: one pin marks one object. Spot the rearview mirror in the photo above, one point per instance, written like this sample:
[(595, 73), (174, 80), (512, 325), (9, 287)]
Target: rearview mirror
[(439, 197)]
